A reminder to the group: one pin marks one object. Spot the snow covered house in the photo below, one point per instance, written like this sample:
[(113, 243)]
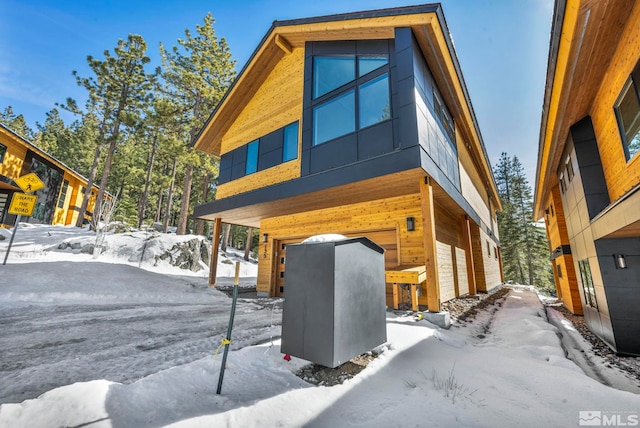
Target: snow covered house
[(58, 202), (359, 124), (588, 170)]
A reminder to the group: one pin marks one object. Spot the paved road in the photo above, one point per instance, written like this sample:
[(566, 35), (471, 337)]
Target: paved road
[(44, 346)]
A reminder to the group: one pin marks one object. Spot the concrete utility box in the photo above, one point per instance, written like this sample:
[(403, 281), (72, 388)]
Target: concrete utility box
[(334, 306)]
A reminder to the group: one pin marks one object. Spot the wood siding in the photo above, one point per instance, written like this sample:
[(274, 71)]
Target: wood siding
[(276, 103), (462, 275), (445, 272), (619, 175)]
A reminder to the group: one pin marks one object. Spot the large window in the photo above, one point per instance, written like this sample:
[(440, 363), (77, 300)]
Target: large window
[(349, 93), (3, 151), (627, 110), (587, 284)]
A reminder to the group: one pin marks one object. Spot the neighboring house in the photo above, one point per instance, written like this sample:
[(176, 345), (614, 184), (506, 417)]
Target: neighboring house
[(588, 174), (58, 202), (359, 124)]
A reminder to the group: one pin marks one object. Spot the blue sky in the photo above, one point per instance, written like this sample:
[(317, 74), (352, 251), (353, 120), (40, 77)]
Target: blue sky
[(502, 46)]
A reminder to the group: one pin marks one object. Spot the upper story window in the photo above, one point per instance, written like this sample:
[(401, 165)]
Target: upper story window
[(443, 114), (3, 151), (350, 92), (252, 157), (290, 143), (627, 110)]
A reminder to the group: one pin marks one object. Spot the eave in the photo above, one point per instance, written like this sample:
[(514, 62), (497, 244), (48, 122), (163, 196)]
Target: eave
[(431, 31)]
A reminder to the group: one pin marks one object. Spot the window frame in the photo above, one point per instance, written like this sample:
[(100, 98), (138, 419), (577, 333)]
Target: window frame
[(63, 194), (284, 141), (586, 280), (251, 162), (356, 85), (631, 84)]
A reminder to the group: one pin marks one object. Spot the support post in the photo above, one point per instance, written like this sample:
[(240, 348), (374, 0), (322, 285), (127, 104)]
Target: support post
[(430, 248), (471, 270), (215, 244)]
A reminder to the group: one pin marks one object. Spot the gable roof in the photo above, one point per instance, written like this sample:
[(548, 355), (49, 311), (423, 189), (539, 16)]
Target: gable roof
[(430, 29)]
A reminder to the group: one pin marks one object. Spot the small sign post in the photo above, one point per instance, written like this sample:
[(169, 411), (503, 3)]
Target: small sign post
[(23, 204)]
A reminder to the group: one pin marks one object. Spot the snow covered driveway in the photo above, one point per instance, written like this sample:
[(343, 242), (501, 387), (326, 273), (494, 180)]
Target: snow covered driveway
[(68, 322)]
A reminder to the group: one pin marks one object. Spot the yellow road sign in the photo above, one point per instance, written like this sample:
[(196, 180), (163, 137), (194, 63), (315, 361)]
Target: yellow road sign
[(22, 204), (29, 183)]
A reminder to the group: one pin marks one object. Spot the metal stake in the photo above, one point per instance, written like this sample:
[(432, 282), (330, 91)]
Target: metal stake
[(228, 338), (13, 235)]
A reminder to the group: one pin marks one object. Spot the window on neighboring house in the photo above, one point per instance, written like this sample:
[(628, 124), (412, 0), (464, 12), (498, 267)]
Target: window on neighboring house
[(349, 93), (587, 284), (569, 168), (563, 184), (3, 151), (559, 270), (63, 194), (252, 158), (290, 146), (627, 110)]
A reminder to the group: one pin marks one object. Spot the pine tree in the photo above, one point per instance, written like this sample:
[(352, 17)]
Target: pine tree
[(523, 241), (118, 92), (196, 81), (16, 123)]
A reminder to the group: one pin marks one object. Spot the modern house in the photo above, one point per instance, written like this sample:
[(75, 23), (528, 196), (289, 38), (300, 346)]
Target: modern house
[(588, 172), (359, 124), (58, 202)]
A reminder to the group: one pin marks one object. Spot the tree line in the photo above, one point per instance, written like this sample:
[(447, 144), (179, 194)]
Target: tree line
[(133, 135)]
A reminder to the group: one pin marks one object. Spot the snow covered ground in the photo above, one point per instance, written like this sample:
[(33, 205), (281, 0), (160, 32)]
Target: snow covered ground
[(134, 348)]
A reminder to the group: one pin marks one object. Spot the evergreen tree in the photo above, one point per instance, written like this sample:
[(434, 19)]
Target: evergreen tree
[(196, 80), (118, 92), (523, 241), (16, 123)]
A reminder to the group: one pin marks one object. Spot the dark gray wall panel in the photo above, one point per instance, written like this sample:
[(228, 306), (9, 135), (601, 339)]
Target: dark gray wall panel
[(375, 140), (335, 153)]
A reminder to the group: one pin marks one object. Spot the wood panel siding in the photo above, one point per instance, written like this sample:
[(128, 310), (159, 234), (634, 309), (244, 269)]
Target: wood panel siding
[(276, 103), (620, 175), (445, 272), (462, 275)]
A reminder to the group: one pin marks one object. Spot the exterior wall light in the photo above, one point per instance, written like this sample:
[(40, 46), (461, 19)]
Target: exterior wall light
[(411, 224), (265, 237), (621, 263)]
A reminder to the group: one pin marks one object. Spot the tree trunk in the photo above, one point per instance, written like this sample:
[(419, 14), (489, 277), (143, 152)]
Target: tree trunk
[(247, 246), (225, 237), (87, 192), (205, 192), (107, 166), (167, 214), (143, 203), (186, 196)]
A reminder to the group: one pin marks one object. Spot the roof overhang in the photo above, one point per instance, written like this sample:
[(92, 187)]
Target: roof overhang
[(584, 34), (431, 31)]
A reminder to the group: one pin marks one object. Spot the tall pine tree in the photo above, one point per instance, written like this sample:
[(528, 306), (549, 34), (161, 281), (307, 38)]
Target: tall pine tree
[(196, 80), (524, 244)]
